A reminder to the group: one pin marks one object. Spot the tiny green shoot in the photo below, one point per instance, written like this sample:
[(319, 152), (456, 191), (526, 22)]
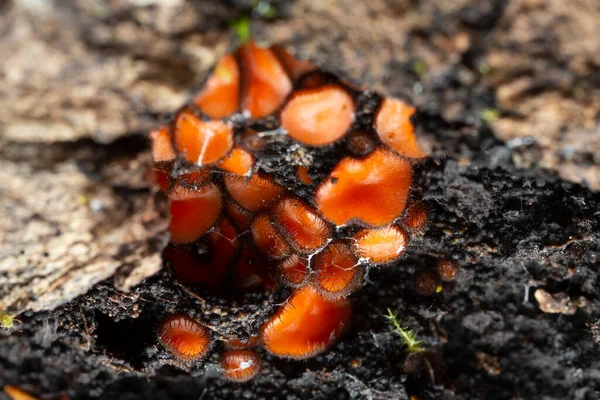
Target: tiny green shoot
[(419, 67), (241, 27), (408, 336), (7, 321), (490, 115), (484, 69)]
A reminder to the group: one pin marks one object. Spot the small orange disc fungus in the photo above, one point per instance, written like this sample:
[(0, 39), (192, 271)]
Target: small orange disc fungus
[(394, 128), (318, 116), (238, 162), (447, 270), (381, 245), (240, 365), (294, 270), (162, 147), (202, 142), (267, 84), (337, 271), (266, 237), (303, 226), (220, 96), (306, 325), (184, 337), (254, 193), (415, 217), (193, 212), (373, 190)]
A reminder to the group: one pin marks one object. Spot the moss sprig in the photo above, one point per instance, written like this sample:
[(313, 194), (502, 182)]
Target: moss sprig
[(407, 335)]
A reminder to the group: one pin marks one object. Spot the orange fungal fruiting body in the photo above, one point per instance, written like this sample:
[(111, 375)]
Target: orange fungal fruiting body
[(202, 142), (381, 245), (303, 225), (306, 325), (279, 173), (240, 365), (447, 270), (394, 128), (318, 116), (374, 189), (268, 83), (184, 337), (337, 271), (220, 97), (193, 212)]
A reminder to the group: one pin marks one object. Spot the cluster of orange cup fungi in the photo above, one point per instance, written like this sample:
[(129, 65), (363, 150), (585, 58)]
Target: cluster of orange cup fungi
[(235, 225)]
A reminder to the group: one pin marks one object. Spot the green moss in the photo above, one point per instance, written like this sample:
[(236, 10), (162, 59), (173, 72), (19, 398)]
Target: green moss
[(490, 115), (7, 321), (241, 28), (407, 335)]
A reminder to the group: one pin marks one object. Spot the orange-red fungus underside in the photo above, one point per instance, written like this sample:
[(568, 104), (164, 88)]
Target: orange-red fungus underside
[(193, 212), (238, 162)]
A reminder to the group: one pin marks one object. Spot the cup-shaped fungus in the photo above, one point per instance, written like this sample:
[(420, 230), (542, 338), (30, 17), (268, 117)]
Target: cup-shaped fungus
[(293, 270), (267, 84), (240, 365), (380, 245), (280, 173), (184, 337), (306, 325), (318, 116), (193, 212), (254, 193), (267, 238), (301, 224), (206, 260), (220, 96), (162, 147), (337, 270), (415, 217), (447, 270), (202, 142), (238, 162), (373, 190), (395, 130)]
